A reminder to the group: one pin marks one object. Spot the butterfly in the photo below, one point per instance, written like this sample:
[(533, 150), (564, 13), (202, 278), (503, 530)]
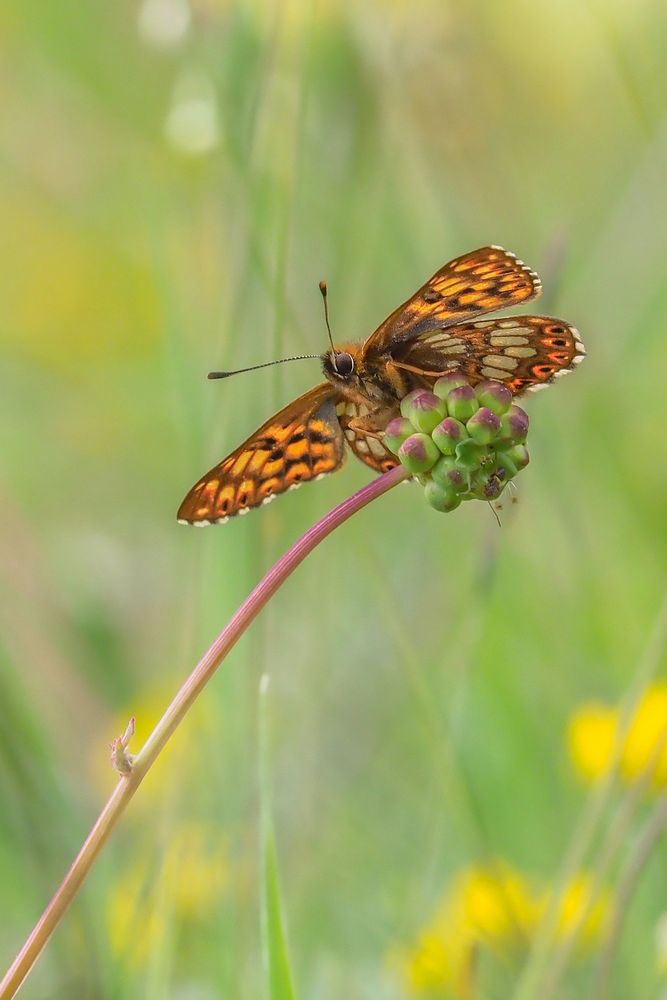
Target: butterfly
[(434, 332)]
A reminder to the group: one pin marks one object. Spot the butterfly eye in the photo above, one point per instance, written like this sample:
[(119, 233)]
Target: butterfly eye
[(344, 363)]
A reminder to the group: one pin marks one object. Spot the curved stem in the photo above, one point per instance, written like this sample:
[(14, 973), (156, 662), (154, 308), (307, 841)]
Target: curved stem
[(630, 876), (202, 673)]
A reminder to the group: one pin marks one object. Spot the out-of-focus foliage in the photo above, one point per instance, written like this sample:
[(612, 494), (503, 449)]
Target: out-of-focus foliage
[(175, 177)]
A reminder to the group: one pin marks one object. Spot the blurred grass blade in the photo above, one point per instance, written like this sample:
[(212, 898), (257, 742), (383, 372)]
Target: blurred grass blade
[(275, 953)]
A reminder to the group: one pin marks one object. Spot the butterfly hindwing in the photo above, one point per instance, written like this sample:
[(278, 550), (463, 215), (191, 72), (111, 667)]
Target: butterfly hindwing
[(523, 352), (365, 444), (370, 450), (478, 282), (301, 442)]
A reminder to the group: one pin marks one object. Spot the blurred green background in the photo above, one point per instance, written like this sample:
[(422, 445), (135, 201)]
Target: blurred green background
[(175, 178)]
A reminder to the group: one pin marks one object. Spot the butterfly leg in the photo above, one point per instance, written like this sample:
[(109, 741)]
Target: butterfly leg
[(426, 371), (373, 424)]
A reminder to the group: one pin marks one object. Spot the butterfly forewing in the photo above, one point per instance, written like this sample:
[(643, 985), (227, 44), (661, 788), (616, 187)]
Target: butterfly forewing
[(523, 352), (301, 442), (481, 281)]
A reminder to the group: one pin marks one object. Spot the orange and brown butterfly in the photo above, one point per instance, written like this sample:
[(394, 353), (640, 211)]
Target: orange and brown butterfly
[(434, 332)]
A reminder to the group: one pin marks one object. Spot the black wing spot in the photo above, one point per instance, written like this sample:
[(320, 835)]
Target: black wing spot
[(317, 437)]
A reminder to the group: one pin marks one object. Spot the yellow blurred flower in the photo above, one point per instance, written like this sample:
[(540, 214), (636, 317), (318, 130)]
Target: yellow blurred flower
[(590, 738), (489, 906), (646, 743), (435, 964), (148, 899), (71, 296), (195, 870), (582, 911), (593, 730), (495, 902), (492, 907)]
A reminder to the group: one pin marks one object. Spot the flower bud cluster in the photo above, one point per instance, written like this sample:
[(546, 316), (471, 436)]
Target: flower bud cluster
[(461, 442)]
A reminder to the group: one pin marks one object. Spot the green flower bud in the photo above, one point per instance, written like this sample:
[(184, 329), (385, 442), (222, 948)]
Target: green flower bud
[(448, 473), (418, 453), (504, 462), (395, 433), (448, 434), (513, 426), (519, 455), (495, 395), (446, 383), (461, 443), (484, 425), (462, 402), (440, 497), (471, 455), (424, 409)]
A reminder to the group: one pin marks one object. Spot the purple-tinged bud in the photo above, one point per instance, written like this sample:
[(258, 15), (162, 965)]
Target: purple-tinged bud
[(440, 497), (495, 395), (462, 402), (448, 434), (395, 433), (446, 383), (471, 455), (514, 426), (424, 409), (447, 473), (519, 455), (406, 402), (484, 425), (418, 453)]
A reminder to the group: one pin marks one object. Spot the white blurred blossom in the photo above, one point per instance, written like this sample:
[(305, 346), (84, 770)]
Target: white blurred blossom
[(164, 23), (191, 126)]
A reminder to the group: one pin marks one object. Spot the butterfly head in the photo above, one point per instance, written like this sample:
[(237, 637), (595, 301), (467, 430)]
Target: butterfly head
[(340, 367)]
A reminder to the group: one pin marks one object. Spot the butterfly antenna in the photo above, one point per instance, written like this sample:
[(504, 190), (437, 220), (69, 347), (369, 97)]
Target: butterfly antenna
[(267, 364), (323, 290)]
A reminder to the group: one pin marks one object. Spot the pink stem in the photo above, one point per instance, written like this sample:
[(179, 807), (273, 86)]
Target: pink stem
[(183, 700)]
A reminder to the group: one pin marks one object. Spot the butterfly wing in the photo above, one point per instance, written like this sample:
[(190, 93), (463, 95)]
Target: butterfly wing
[(481, 281), (523, 352), (303, 441), (365, 444), (370, 450)]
